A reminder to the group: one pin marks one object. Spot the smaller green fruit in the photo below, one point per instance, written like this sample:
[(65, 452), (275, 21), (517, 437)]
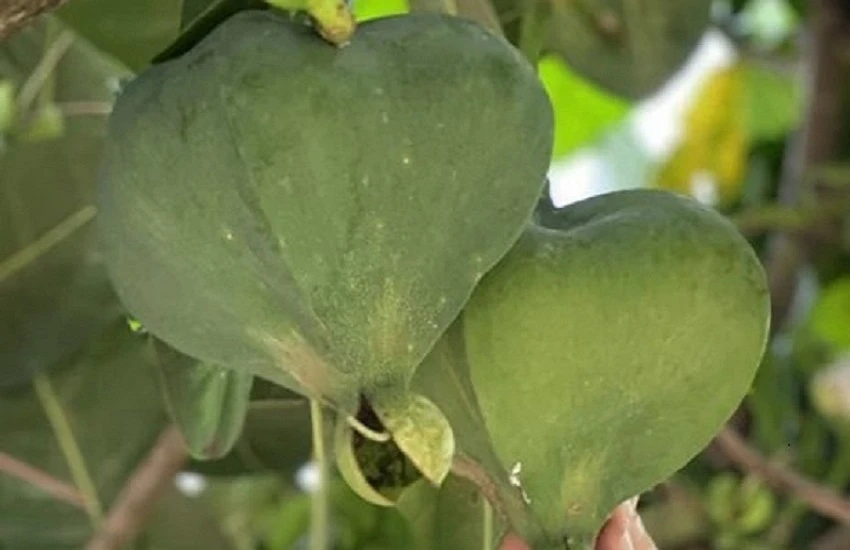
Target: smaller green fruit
[(609, 346)]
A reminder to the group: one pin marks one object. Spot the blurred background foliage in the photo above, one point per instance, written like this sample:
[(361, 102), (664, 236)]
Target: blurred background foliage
[(739, 103)]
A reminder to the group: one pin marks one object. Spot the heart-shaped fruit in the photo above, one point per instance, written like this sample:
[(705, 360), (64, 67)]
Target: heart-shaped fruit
[(608, 347), (318, 216)]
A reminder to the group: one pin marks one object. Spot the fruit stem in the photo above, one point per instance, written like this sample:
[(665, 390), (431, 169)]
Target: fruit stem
[(319, 501), (366, 431), (334, 19), (487, 534)]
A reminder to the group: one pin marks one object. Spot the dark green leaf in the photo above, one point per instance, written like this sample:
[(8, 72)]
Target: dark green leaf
[(207, 402), (132, 31), (628, 47), (194, 30), (54, 294), (193, 9)]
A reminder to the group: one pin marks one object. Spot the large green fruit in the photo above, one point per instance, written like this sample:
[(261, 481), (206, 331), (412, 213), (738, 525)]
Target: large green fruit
[(314, 215), (608, 348)]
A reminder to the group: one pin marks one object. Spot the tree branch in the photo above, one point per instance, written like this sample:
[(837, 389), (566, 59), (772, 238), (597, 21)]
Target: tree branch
[(818, 141), (821, 499), (57, 488), (135, 502), (17, 14)]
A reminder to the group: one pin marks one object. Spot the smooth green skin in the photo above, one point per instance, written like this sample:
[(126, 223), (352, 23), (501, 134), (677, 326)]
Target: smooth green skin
[(208, 403), (607, 350), (318, 216)]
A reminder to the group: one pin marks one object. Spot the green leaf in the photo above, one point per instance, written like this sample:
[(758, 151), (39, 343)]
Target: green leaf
[(630, 47), (608, 347), (192, 10), (378, 470), (131, 31), (213, 244), (582, 110), (109, 397), (275, 437), (421, 431), (830, 318), (773, 102), (207, 402), (449, 516), (194, 30), (365, 10), (54, 292)]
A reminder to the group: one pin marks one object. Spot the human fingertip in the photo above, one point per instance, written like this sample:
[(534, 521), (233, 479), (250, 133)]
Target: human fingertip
[(512, 542)]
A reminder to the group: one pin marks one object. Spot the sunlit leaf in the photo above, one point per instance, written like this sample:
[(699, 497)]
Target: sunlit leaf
[(372, 9), (582, 110), (773, 102), (831, 315)]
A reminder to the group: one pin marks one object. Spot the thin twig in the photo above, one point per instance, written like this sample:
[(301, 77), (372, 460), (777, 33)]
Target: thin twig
[(39, 76), (788, 219), (58, 489), (17, 14), (69, 446), (134, 504), (823, 500), (45, 243), (85, 108)]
